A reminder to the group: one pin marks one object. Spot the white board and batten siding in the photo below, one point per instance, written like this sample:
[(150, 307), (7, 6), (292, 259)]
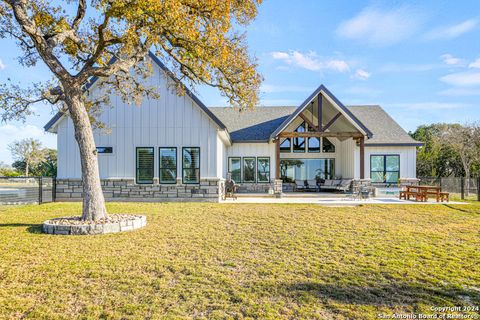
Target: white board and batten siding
[(170, 121)]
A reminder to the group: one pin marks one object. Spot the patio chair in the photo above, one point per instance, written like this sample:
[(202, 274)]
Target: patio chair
[(352, 193), (312, 185), (230, 190), (300, 185)]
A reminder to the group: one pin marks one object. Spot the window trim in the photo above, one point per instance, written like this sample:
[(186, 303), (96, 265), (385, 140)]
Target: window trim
[(290, 147), (228, 167), (385, 166), (160, 165), (269, 170), (136, 165), (319, 145), (104, 153), (254, 170), (199, 166), (305, 128)]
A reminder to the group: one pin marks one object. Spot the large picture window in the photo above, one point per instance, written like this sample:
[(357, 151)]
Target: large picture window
[(235, 169), (263, 169), (307, 169), (385, 168), (191, 165), (168, 165), (299, 143), (249, 169), (144, 165)]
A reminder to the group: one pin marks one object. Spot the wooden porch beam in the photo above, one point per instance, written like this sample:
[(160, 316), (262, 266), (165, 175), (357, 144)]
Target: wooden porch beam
[(332, 121), (320, 112), (310, 123), (362, 158), (355, 135), (277, 159)]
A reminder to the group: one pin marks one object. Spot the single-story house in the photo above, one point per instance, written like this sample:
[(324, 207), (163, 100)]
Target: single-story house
[(176, 148)]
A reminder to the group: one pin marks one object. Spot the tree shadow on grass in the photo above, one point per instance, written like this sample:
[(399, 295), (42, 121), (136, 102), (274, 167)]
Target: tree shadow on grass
[(385, 295), (31, 227)]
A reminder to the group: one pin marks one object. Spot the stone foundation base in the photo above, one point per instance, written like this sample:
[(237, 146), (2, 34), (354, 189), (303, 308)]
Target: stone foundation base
[(63, 228), (208, 190)]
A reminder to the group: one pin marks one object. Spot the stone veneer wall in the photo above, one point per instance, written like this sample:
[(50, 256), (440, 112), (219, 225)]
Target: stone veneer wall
[(209, 190)]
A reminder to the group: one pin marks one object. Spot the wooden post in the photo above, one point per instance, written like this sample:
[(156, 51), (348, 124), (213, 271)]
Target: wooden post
[(40, 190), (277, 158), (362, 158), (462, 188), (478, 189), (320, 111)]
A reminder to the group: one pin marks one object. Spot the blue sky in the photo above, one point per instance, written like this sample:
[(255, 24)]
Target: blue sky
[(418, 60)]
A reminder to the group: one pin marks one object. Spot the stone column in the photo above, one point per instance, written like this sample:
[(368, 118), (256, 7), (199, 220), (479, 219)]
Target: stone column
[(277, 187)]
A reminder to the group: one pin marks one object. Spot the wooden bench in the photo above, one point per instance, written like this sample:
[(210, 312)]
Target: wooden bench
[(444, 196), (407, 194)]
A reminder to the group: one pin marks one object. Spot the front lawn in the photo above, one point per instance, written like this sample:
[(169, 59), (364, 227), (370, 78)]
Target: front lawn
[(243, 261)]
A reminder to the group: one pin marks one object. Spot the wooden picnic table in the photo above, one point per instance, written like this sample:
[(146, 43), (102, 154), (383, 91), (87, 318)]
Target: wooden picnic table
[(421, 193)]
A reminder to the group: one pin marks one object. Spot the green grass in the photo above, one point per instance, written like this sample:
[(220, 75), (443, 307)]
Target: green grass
[(242, 261)]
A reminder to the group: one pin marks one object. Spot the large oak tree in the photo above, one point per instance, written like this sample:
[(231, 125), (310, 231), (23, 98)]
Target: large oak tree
[(108, 39)]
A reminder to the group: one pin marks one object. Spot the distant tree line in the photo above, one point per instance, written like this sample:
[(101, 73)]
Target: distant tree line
[(31, 159), (449, 150)]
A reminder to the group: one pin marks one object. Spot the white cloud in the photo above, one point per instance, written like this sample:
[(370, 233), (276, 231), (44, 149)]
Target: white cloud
[(475, 64), (462, 79), (361, 74), (381, 27), (10, 133), (429, 105), (311, 61), (2, 65), (453, 31), (280, 55), (451, 60)]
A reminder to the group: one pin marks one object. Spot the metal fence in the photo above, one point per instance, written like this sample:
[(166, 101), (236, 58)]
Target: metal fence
[(466, 188), (22, 190)]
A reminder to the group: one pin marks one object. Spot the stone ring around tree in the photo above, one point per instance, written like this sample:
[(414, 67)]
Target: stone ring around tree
[(111, 224)]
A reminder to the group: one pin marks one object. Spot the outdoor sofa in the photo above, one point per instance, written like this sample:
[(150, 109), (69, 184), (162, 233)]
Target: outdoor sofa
[(337, 185)]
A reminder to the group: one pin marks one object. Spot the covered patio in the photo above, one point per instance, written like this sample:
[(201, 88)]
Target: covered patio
[(322, 140)]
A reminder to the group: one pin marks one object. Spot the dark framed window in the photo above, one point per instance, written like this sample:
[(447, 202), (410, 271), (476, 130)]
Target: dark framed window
[(263, 169), (145, 159), (104, 150), (191, 165), (299, 143), (235, 168), (313, 144), (167, 165), (385, 168), (286, 145), (327, 146), (249, 169)]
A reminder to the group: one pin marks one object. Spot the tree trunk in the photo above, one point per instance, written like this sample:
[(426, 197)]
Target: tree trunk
[(467, 181), (26, 169), (93, 200)]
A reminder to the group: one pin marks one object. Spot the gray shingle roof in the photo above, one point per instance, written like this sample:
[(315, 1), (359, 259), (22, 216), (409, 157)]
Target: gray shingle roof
[(259, 124), (385, 130), (252, 125)]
